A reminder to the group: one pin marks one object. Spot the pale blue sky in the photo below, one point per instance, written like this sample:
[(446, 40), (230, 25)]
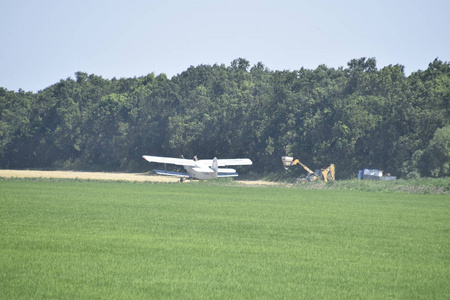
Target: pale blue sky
[(45, 41)]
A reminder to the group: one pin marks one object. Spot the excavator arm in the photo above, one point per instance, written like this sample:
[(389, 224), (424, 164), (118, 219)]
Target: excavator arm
[(304, 167)]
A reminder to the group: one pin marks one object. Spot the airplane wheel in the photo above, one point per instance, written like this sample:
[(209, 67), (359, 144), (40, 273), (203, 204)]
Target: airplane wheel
[(181, 179)]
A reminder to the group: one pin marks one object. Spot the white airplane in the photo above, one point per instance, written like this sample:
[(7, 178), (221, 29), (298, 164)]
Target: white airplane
[(201, 169)]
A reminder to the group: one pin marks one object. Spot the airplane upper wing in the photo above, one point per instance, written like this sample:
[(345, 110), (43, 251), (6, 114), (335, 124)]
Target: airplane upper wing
[(228, 162), (170, 160)]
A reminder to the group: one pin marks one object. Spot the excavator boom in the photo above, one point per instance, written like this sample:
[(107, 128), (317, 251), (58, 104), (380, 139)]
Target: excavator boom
[(328, 173)]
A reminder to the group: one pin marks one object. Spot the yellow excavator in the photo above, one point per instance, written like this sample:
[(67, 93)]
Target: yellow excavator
[(320, 174)]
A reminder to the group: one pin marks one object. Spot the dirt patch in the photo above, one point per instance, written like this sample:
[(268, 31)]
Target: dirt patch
[(139, 177)]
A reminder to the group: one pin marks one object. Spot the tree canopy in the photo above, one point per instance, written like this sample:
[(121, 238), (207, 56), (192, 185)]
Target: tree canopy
[(355, 117)]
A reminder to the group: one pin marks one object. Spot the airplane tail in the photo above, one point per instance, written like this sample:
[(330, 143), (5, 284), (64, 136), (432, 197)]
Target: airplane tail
[(215, 166)]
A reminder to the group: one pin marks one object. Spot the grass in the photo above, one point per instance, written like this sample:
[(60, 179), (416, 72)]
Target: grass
[(100, 240), (423, 185), (414, 186)]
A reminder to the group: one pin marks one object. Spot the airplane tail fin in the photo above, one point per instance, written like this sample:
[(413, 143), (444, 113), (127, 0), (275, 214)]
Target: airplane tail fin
[(215, 166)]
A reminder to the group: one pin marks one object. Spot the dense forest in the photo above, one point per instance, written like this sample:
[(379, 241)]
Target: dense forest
[(355, 117)]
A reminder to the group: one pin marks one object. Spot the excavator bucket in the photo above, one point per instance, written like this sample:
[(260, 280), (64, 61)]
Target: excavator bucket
[(287, 161)]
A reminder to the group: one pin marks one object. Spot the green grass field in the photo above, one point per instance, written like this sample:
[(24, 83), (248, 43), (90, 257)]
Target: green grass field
[(109, 240)]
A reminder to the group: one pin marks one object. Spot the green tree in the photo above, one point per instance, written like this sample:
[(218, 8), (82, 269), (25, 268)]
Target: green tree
[(435, 159), (355, 117), (14, 125)]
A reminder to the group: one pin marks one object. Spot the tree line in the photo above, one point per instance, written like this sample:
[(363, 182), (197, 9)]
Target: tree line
[(355, 117)]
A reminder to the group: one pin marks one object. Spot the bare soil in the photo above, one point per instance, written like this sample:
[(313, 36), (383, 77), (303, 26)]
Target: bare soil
[(139, 177)]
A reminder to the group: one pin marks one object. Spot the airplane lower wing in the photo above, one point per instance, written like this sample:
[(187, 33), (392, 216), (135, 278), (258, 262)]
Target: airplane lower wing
[(227, 174), (224, 171), (171, 173)]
